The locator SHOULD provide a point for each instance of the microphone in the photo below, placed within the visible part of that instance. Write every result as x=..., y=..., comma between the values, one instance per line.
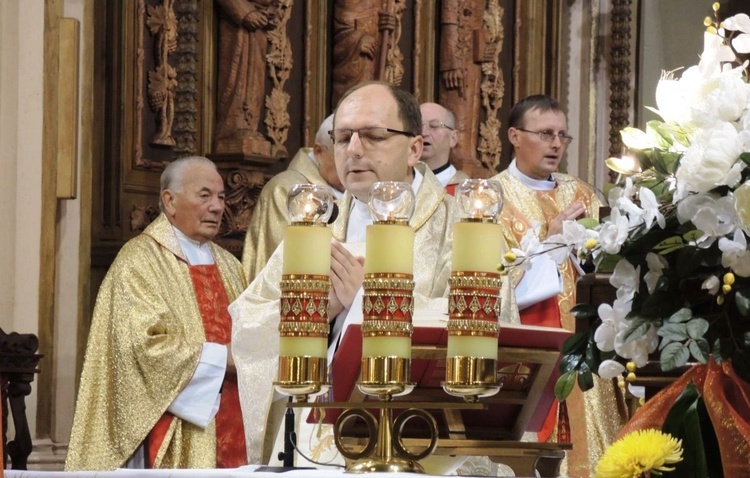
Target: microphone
x=334, y=213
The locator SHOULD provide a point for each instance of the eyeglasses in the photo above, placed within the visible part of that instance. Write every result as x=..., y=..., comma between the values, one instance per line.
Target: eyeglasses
x=369, y=136
x=548, y=135
x=433, y=125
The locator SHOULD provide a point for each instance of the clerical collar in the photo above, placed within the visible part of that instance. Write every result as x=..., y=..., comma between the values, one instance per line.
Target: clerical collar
x=360, y=218
x=197, y=254
x=445, y=173
x=536, y=184
x=442, y=168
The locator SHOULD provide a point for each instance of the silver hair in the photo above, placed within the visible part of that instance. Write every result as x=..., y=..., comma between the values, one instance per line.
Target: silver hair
x=322, y=136
x=171, y=177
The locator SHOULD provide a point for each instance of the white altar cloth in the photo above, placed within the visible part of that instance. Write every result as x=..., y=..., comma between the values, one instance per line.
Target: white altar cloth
x=243, y=472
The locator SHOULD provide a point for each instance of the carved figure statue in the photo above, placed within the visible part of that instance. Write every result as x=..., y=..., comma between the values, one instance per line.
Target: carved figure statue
x=362, y=34
x=471, y=83
x=162, y=80
x=243, y=44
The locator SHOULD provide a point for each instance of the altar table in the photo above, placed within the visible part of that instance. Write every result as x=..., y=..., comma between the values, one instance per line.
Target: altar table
x=243, y=472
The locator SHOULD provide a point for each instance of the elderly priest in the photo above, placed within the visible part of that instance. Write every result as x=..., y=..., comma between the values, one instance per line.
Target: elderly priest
x=158, y=388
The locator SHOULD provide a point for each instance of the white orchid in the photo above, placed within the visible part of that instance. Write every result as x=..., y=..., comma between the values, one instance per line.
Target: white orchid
x=734, y=253
x=650, y=207
x=610, y=369
x=739, y=22
x=656, y=265
x=613, y=233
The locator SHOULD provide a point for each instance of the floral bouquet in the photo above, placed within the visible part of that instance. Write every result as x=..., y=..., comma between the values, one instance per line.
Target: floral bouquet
x=676, y=240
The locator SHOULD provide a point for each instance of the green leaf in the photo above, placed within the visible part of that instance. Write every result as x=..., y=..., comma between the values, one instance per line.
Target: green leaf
x=637, y=329
x=673, y=332
x=742, y=299
x=692, y=236
x=682, y=421
x=745, y=157
x=682, y=315
x=699, y=349
x=564, y=385
x=575, y=343
x=588, y=222
x=697, y=328
x=674, y=355
x=669, y=243
x=586, y=381
x=585, y=311
x=571, y=362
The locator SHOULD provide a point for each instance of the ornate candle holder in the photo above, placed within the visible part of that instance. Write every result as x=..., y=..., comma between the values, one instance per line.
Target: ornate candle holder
x=474, y=302
x=387, y=309
x=303, y=325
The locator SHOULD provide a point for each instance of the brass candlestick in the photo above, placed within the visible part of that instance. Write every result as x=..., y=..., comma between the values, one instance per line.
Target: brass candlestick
x=303, y=306
x=473, y=307
x=303, y=314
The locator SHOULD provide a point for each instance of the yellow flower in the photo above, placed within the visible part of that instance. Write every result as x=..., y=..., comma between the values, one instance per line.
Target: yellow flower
x=640, y=452
x=590, y=243
x=729, y=278
x=509, y=257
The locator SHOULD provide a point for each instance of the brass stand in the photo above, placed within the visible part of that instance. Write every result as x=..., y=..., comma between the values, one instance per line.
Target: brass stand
x=302, y=377
x=471, y=378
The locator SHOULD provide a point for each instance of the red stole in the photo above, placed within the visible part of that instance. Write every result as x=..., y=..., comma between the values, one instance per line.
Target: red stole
x=231, y=451
x=451, y=188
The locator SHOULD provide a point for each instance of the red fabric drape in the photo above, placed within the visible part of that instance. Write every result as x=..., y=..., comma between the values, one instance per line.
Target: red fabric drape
x=727, y=399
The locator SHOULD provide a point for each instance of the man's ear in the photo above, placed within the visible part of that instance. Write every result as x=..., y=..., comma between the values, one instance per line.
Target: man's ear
x=454, y=138
x=415, y=150
x=167, y=200
x=513, y=137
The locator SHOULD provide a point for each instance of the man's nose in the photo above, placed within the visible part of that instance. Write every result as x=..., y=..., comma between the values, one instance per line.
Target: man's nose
x=355, y=146
x=216, y=205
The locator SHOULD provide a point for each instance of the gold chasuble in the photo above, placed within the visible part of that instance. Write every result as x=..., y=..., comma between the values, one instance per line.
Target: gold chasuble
x=270, y=215
x=603, y=407
x=145, y=341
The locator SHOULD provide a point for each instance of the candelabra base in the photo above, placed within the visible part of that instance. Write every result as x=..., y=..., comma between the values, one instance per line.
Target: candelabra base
x=470, y=377
x=390, y=465
x=302, y=377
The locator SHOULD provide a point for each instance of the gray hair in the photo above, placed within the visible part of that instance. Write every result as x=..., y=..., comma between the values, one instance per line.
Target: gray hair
x=323, y=135
x=171, y=177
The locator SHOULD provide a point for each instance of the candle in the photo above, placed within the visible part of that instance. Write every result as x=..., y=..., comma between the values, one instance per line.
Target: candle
x=307, y=250
x=475, y=284
x=389, y=248
x=477, y=246
x=389, y=263
x=305, y=269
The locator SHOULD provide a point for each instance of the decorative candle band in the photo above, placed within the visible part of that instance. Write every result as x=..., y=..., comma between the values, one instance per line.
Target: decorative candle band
x=387, y=305
x=303, y=306
x=474, y=304
x=398, y=222
x=473, y=327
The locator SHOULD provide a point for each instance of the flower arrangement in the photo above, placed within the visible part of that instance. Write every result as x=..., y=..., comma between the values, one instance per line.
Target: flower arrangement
x=676, y=244
x=638, y=453
x=676, y=240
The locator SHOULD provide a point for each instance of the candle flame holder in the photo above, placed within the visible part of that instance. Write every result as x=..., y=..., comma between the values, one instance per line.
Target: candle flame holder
x=473, y=308
x=303, y=313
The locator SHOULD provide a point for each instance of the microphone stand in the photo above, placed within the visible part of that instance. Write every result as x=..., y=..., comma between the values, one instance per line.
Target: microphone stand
x=287, y=456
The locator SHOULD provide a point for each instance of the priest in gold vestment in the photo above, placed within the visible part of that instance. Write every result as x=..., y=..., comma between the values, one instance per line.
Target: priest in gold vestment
x=309, y=166
x=370, y=154
x=158, y=388
x=537, y=196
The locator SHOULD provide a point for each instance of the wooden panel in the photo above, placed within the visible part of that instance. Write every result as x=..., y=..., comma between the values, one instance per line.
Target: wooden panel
x=67, y=109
